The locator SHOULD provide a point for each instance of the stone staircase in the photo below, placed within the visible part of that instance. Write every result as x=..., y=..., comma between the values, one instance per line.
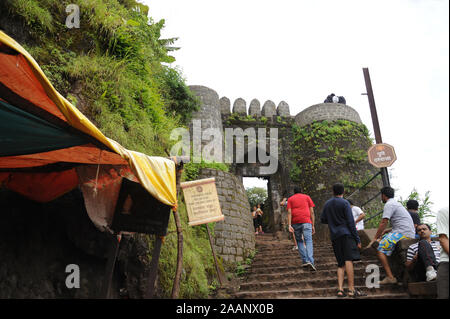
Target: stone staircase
x=276, y=273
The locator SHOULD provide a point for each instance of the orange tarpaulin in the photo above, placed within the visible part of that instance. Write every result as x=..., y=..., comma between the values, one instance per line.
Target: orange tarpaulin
x=85, y=154
x=24, y=85
x=18, y=77
x=35, y=186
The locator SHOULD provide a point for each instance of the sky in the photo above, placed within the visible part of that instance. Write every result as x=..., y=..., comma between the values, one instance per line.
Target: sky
x=301, y=51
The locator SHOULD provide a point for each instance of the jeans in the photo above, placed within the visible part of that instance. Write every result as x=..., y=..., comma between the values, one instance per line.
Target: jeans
x=306, y=254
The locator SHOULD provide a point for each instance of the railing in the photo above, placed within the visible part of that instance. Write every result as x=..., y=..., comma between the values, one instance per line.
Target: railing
x=371, y=199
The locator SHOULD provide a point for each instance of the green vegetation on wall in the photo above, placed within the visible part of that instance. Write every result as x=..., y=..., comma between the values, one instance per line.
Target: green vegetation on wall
x=329, y=149
x=192, y=170
x=116, y=70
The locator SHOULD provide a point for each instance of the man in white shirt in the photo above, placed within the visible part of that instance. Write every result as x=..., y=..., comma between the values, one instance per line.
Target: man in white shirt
x=442, y=275
x=358, y=215
x=402, y=228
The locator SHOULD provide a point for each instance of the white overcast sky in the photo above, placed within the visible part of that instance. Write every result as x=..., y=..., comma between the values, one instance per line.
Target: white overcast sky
x=301, y=51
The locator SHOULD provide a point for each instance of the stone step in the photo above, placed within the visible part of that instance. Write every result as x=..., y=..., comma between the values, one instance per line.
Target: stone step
x=290, y=252
x=282, y=275
x=376, y=296
x=276, y=272
x=298, y=263
x=358, y=266
x=273, y=246
x=300, y=283
x=296, y=293
x=318, y=259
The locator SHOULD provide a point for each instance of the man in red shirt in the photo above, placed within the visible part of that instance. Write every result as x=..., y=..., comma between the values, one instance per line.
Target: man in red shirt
x=301, y=223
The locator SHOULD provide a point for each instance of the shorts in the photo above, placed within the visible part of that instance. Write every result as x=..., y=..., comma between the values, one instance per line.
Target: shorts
x=345, y=249
x=388, y=242
x=259, y=220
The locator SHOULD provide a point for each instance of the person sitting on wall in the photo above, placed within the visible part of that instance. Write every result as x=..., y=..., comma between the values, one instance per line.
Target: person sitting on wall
x=423, y=257
x=442, y=274
x=332, y=98
x=413, y=208
x=386, y=239
x=329, y=98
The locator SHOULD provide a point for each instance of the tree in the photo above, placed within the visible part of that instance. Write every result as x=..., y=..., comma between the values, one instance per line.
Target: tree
x=256, y=195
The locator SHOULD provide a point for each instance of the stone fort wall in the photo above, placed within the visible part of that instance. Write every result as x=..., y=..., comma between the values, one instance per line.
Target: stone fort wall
x=234, y=237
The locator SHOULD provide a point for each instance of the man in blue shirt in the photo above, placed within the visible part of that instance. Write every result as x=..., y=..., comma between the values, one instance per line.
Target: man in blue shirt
x=337, y=213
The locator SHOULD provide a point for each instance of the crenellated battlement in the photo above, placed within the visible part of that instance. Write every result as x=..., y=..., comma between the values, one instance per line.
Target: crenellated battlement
x=215, y=110
x=268, y=110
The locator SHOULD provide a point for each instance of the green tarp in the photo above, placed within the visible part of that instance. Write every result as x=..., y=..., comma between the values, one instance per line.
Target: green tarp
x=23, y=133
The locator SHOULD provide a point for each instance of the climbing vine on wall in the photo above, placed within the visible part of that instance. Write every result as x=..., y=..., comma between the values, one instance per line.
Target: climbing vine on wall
x=337, y=149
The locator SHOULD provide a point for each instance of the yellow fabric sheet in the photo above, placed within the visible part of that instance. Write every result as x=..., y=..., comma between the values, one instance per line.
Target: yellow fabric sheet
x=156, y=174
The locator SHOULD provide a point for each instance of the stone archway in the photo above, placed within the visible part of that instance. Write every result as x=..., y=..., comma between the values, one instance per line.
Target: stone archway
x=275, y=190
x=312, y=161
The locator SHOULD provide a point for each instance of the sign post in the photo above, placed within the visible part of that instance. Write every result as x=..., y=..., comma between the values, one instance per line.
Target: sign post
x=381, y=155
x=202, y=201
x=203, y=207
x=376, y=125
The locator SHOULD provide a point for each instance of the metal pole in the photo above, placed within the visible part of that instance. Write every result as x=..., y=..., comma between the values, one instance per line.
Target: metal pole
x=376, y=125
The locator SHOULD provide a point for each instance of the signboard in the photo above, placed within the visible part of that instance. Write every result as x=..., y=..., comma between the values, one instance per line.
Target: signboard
x=139, y=212
x=202, y=201
x=381, y=155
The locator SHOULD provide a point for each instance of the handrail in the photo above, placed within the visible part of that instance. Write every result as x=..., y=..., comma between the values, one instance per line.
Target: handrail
x=371, y=199
x=367, y=219
x=371, y=179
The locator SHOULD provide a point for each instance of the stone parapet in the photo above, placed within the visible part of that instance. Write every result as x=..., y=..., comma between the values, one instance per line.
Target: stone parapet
x=327, y=111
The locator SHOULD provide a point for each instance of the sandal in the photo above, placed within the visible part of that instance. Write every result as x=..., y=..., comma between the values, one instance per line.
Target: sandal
x=341, y=294
x=356, y=293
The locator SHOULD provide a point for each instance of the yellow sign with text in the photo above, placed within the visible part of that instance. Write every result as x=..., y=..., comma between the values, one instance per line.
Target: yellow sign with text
x=202, y=201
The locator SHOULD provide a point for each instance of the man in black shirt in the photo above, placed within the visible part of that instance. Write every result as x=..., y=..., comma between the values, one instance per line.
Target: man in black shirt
x=413, y=207
x=337, y=213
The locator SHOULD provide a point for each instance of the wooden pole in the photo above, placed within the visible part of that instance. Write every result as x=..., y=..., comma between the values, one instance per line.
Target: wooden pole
x=214, y=256
x=376, y=124
x=154, y=268
x=110, y=264
x=176, y=281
